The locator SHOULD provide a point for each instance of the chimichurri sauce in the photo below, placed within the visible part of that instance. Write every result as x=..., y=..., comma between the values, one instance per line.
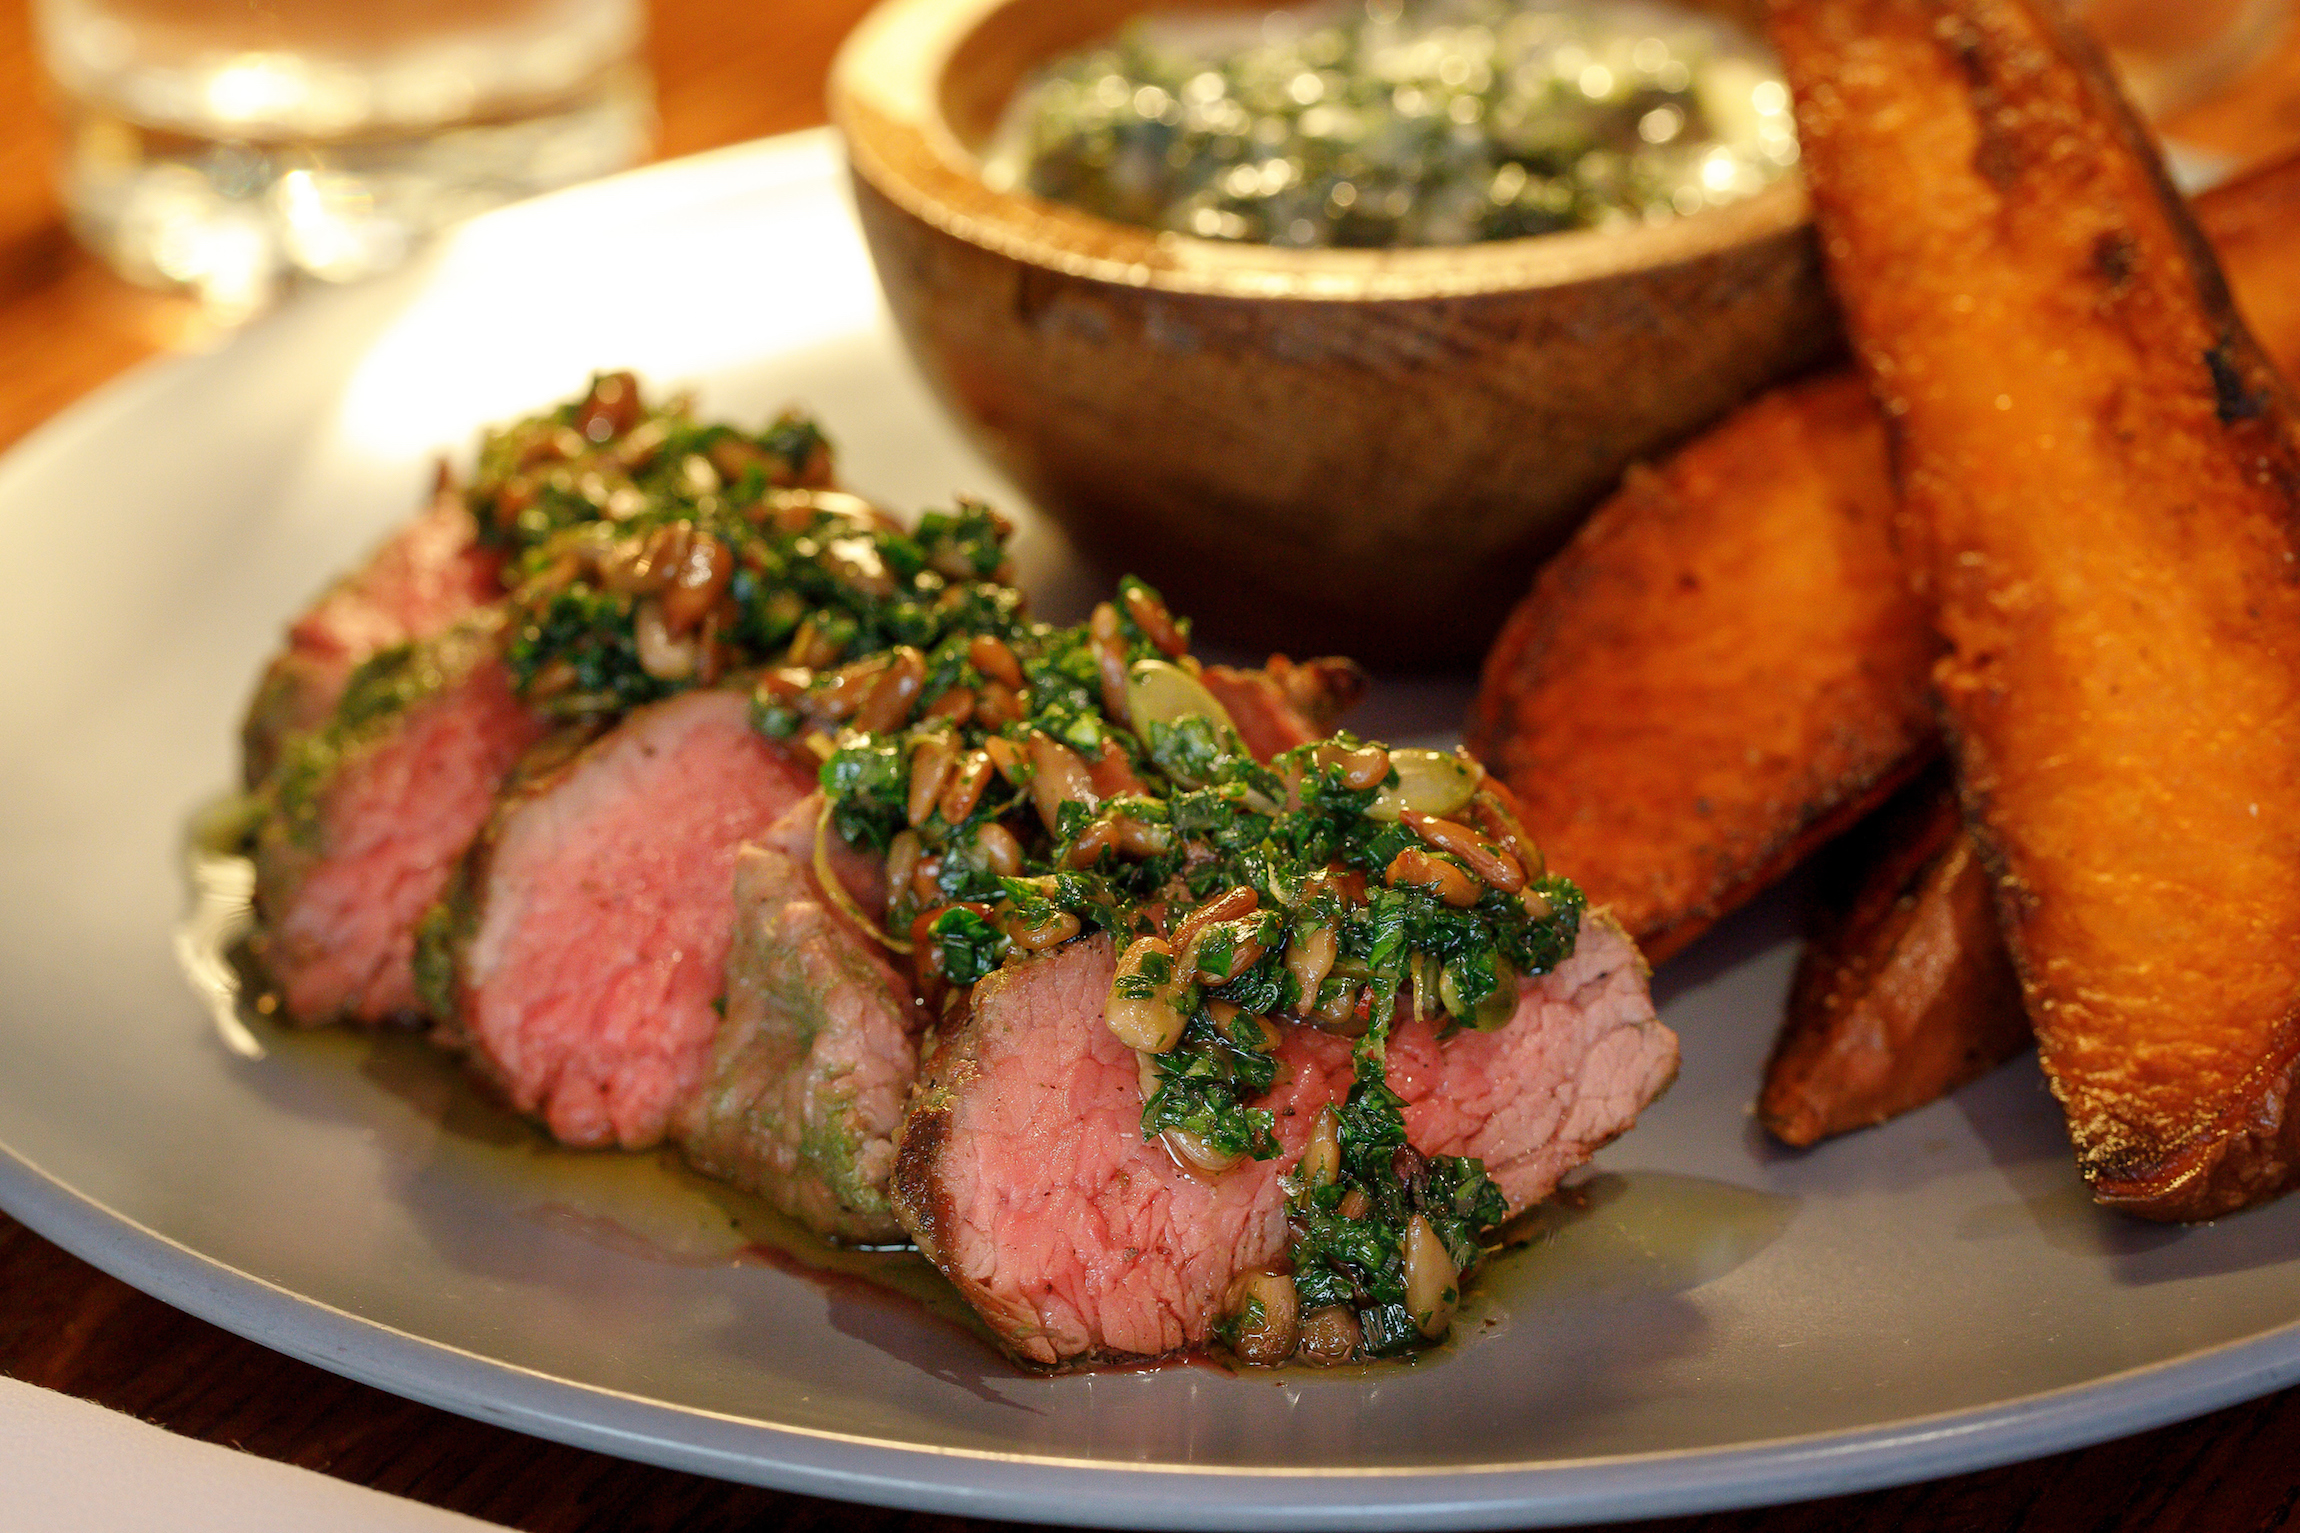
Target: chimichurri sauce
x=1031, y=785
x=1382, y=123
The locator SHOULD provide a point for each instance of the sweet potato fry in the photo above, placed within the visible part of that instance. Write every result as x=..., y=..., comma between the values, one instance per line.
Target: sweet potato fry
x=2101, y=478
x=1908, y=992
x=1724, y=667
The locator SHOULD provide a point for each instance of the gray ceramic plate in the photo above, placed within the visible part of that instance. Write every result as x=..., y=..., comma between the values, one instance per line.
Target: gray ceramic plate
x=1721, y=1325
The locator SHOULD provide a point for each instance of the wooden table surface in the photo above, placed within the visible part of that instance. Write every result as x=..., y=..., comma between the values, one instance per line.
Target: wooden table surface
x=728, y=70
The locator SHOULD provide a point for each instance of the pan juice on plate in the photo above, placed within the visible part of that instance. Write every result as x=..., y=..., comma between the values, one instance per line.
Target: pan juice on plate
x=1436, y=123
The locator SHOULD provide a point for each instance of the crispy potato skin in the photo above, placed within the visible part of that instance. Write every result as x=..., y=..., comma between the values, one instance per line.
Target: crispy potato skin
x=1721, y=671
x=2102, y=483
x=1908, y=993
x=1724, y=667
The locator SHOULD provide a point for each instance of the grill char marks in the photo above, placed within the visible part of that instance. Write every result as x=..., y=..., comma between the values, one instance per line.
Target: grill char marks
x=427, y=576
x=1022, y=1172
x=369, y=818
x=810, y=1070
x=594, y=918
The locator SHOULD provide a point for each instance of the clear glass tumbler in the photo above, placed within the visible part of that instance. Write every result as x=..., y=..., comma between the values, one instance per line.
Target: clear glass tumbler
x=223, y=145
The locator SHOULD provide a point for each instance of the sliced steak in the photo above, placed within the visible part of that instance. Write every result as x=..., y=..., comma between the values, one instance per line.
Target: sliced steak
x=810, y=1069
x=370, y=815
x=1284, y=704
x=1023, y=1174
x=590, y=931
x=427, y=576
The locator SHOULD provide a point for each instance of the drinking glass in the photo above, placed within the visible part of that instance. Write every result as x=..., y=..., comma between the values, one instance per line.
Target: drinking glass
x=222, y=146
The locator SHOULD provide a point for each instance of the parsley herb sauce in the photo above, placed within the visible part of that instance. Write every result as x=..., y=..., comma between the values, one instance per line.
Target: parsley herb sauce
x=1429, y=122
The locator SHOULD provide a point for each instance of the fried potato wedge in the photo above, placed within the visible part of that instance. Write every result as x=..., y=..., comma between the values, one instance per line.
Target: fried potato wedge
x=1910, y=993
x=2101, y=478
x=1722, y=670
x=1907, y=992
x=1724, y=667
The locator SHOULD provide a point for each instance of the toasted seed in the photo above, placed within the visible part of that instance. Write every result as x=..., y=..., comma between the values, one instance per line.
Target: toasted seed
x=1488, y=862
x=1226, y=906
x=895, y=693
x=661, y=654
x=1415, y=868
x=1354, y=1204
x=1141, y=838
x=1321, y=1161
x=1329, y=1336
x=1497, y=812
x=1097, y=838
x=1192, y=1153
x=1363, y=768
x=1053, y=931
x=1432, y=782
x=1432, y=1290
x=643, y=566
x=856, y=561
x=995, y=850
x=988, y=654
x=611, y=408
x=931, y=760
x=697, y=581
x=1000, y=705
x=1337, y=1008
x=926, y=881
x=1537, y=904
x=956, y=705
x=1255, y=1026
x=902, y=858
x=1109, y=659
x=1057, y=777
x=1310, y=958
x=1008, y=758
x=1245, y=951
x=848, y=688
x=1157, y=624
x=1151, y=1023
x=1269, y=1312
x=965, y=787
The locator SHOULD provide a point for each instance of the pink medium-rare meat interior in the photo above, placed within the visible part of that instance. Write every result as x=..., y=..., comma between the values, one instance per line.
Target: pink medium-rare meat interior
x=604, y=909
x=341, y=901
x=1031, y=1185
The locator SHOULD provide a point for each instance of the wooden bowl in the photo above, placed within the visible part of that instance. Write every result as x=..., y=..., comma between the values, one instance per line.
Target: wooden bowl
x=1354, y=450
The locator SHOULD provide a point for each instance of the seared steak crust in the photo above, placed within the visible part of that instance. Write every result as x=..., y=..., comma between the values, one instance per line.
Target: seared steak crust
x=812, y=1065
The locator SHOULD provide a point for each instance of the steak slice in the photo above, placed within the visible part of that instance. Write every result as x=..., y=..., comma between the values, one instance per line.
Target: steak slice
x=1022, y=1171
x=369, y=816
x=427, y=576
x=812, y=1066
x=1285, y=704
x=587, y=940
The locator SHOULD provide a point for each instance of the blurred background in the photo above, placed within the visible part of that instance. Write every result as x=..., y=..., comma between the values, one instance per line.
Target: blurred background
x=110, y=161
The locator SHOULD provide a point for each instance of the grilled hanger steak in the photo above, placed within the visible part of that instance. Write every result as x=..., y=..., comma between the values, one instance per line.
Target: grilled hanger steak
x=698, y=802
